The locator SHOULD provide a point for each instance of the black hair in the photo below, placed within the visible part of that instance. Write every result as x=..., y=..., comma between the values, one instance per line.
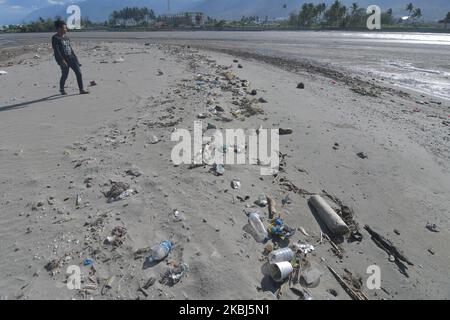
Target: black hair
x=59, y=24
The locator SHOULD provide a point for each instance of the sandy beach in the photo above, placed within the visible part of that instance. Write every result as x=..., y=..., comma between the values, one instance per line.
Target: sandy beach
x=379, y=150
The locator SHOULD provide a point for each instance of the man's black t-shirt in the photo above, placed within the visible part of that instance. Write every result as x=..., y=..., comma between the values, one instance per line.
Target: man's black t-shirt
x=63, y=49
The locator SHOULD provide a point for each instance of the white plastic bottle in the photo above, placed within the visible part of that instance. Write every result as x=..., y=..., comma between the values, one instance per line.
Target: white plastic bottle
x=280, y=255
x=258, y=228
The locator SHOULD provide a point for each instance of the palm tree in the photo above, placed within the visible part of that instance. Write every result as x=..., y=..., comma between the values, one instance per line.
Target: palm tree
x=320, y=9
x=409, y=8
x=417, y=14
x=447, y=20
x=355, y=7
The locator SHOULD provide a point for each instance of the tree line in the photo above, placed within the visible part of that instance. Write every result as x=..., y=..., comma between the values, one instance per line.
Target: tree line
x=310, y=15
x=339, y=15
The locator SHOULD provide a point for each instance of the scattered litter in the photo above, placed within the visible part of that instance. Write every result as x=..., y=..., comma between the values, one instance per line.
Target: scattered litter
x=301, y=85
x=135, y=172
x=331, y=219
x=108, y=285
x=390, y=249
x=173, y=276
x=3, y=72
x=283, y=132
x=119, y=60
x=286, y=200
x=311, y=277
x=281, y=270
x=262, y=200
x=277, y=228
x=262, y=100
x=87, y=262
x=304, y=248
x=78, y=202
x=355, y=294
x=302, y=230
x=119, y=191
x=362, y=155
x=280, y=255
x=178, y=216
x=150, y=282
x=154, y=139
x=432, y=227
x=258, y=229
x=218, y=169
x=236, y=184
x=160, y=251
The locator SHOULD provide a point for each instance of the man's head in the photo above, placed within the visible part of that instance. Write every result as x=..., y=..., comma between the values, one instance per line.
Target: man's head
x=61, y=27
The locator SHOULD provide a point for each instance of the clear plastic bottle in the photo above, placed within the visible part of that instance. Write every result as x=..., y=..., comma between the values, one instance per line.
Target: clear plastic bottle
x=160, y=251
x=280, y=255
x=258, y=228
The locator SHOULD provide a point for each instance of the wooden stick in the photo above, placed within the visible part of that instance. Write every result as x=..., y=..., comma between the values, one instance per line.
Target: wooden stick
x=272, y=210
x=352, y=293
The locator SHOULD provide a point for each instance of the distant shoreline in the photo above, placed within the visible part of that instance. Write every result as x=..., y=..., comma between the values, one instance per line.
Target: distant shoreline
x=258, y=29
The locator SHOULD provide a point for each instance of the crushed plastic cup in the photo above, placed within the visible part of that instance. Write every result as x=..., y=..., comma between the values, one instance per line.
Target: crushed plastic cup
x=281, y=270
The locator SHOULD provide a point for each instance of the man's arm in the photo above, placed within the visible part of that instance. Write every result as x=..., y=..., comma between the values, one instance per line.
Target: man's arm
x=75, y=56
x=57, y=50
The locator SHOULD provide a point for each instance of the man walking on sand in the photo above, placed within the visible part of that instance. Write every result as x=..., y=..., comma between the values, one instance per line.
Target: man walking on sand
x=65, y=57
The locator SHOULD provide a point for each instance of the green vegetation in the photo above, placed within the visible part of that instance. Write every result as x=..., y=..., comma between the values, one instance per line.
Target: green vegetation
x=133, y=16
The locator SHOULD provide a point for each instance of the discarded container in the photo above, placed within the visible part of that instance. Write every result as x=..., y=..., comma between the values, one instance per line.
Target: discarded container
x=262, y=200
x=219, y=169
x=277, y=228
x=304, y=248
x=280, y=255
x=87, y=262
x=311, y=277
x=160, y=251
x=235, y=184
x=176, y=274
x=259, y=231
x=119, y=60
x=281, y=270
x=154, y=139
x=331, y=219
x=125, y=194
x=178, y=216
x=78, y=201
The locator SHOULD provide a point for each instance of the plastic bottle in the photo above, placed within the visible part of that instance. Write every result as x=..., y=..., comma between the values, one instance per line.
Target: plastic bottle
x=160, y=251
x=280, y=255
x=258, y=228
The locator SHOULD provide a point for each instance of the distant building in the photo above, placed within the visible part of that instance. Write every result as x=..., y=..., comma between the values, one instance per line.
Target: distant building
x=183, y=19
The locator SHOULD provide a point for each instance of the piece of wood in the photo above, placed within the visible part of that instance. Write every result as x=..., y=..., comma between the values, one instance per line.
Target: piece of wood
x=271, y=205
x=331, y=219
x=352, y=293
x=387, y=245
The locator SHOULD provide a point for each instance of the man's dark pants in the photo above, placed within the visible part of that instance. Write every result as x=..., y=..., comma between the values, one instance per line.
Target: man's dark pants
x=65, y=72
